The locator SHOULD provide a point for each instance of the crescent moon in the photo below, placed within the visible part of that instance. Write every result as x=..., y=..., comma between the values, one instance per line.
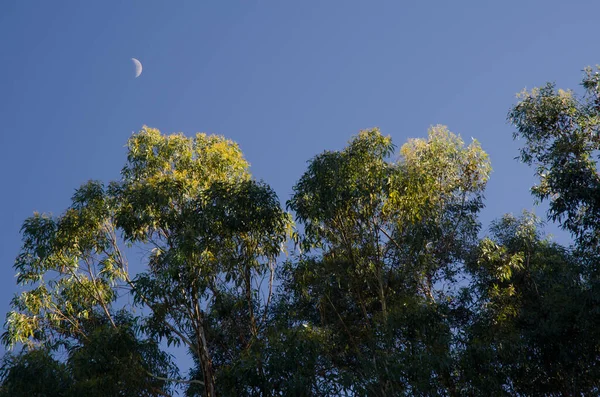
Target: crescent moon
x=138, y=67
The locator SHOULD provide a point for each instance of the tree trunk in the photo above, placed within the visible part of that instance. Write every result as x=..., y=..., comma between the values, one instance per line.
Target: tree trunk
x=206, y=364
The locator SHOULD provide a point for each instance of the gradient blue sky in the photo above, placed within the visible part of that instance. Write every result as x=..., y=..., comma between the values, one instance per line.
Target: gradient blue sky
x=285, y=79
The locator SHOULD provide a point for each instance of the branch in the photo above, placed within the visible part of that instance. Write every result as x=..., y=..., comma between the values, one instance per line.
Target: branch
x=191, y=381
x=271, y=276
x=382, y=230
x=168, y=324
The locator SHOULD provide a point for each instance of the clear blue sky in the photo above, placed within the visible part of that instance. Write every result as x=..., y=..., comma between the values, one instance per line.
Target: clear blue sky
x=285, y=79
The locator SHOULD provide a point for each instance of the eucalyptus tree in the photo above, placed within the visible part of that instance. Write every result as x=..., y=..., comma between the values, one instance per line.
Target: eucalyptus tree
x=533, y=330
x=210, y=233
x=109, y=361
x=372, y=303
x=214, y=235
x=34, y=373
x=73, y=268
x=378, y=237
x=560, y=130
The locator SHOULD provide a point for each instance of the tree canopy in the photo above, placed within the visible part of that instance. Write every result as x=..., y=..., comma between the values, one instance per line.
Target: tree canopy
x=375, y=278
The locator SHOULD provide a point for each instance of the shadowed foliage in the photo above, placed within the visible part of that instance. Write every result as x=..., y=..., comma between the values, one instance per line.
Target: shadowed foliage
x=387, y=286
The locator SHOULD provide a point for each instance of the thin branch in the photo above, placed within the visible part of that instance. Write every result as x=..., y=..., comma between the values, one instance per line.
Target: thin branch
x=191, y=381
x=94, y=291
x=389, y=237
x=271, y=277
x=168, y=324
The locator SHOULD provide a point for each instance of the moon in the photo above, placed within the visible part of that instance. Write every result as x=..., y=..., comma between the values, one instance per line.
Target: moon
x=138, y=67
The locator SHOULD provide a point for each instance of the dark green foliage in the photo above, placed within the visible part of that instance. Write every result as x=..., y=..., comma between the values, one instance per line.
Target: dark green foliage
x=532, y=332
x=108, y=362
x=383, y=235
x=390, y=290
x=34, y=373
x=114, y=361
x=553, y=312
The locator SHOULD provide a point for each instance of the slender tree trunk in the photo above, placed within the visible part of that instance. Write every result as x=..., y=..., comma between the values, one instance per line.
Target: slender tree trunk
x=248, y=281
x=254, y=328
x=381, y=292
x=203, y=353
x=206, y=363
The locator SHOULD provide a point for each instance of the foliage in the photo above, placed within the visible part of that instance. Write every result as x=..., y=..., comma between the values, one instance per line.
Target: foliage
x=34, y=373
x=383, y=234
x=531, y=333
x=560, y=130
x=390, y=290
x=214, y=234
x=109, y=362
x=560, y=133
x=72, y=265
x=115, y=361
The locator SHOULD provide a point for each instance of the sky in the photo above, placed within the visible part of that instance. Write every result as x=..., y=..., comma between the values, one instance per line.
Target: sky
x=285, y=79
